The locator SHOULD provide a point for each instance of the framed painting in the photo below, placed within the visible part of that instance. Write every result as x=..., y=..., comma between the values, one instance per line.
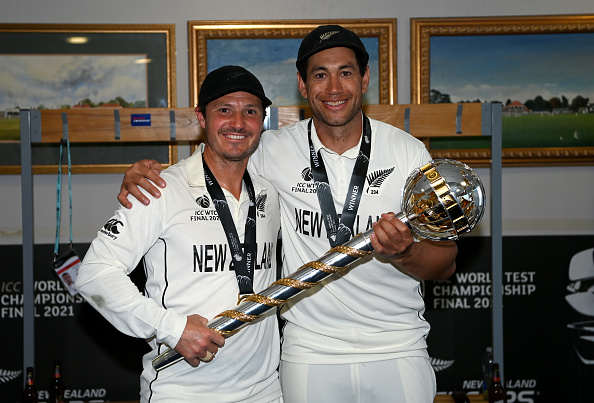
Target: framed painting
x=56, y=66
x=537, y=67
x=269, y=50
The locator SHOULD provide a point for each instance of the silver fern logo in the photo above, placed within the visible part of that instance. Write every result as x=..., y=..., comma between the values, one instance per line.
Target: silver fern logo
x=8, y=375
x=261, y=205
x=439, y=364
x=261, y=202
x=376, y=179
x=327, y=35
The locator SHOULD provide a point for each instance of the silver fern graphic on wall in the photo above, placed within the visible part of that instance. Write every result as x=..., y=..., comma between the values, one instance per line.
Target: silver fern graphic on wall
x=439, y=364
x=7, y=375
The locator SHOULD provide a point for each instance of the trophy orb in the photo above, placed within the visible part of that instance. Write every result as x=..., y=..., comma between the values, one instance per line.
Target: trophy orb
x=442, y=200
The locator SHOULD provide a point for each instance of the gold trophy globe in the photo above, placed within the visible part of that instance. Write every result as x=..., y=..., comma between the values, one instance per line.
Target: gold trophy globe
x=442, y=200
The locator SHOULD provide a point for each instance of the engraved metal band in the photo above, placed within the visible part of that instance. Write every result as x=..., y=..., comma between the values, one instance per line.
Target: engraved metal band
x=450, y=204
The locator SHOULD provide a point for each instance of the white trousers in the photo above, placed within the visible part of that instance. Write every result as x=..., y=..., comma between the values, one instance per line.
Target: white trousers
x=401, y=380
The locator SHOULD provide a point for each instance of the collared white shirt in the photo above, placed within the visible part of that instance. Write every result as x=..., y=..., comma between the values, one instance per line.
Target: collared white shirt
x=372, y=311
x=187, y=261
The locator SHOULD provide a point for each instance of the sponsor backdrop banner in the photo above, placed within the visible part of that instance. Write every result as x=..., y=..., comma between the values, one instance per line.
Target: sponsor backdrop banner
x=548, y=324
x=98, y=362
x=548, y=351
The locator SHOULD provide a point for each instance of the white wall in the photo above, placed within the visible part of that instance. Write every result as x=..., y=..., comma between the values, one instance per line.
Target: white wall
x=537, y=201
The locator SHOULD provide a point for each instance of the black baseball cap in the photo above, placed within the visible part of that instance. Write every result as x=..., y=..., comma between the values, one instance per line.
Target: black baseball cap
x=330, y=36
x=228, y=79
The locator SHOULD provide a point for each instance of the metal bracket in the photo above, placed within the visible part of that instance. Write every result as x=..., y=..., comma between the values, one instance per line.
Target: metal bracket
x=64, y=127
x=459, y=119
x=116, y=117
x=172, y=125
x=407, y=120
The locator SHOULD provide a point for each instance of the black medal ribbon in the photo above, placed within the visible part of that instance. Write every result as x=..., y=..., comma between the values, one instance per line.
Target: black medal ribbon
x=340, y=231
x=243, y=260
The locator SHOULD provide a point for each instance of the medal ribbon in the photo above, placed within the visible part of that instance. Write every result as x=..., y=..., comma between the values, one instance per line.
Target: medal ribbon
x=340, y=231
x=243, y=260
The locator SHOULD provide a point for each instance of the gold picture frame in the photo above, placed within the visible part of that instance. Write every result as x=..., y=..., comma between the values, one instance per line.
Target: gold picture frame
x=153, y=44
x=424, y=31
x=203, y=35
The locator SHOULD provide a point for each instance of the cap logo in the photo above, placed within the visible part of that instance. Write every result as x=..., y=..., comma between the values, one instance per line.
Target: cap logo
x=327, y=35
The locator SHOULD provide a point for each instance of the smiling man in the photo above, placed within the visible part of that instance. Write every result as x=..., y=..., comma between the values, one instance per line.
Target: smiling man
x=190, y=241
x=362, y=336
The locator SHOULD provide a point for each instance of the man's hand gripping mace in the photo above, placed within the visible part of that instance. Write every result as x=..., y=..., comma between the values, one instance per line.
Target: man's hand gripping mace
x=252, y=307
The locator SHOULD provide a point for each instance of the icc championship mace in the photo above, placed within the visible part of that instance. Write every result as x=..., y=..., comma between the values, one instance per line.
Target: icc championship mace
x=441, y=200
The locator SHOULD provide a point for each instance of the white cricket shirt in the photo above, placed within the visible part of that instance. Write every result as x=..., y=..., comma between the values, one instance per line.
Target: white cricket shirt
x=187, y=262
x=372, y=311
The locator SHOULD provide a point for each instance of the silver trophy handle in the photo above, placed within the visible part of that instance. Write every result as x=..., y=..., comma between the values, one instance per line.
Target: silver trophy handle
x=166, y=359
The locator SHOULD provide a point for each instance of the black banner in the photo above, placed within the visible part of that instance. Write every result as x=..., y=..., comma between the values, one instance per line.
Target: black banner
x=544, y=336
x=98, y=362
x=548, y=325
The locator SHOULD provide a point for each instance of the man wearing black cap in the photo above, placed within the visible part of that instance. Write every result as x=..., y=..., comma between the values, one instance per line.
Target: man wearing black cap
x=361, y=337
x=190, y=241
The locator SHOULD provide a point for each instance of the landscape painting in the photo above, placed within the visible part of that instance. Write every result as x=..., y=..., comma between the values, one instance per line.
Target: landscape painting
x=538, y=67
x=68, y=81
x=74, y=66
x=269, y=50
x=273, y=62
x=544, y=82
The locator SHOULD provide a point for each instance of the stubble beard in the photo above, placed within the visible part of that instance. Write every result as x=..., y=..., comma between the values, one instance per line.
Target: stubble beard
x=328, y=118
x=232, y=157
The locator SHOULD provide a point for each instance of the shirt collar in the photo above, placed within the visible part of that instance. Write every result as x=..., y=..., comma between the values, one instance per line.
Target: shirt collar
x=318, y=145
x=195, y=172
x=194, y=168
